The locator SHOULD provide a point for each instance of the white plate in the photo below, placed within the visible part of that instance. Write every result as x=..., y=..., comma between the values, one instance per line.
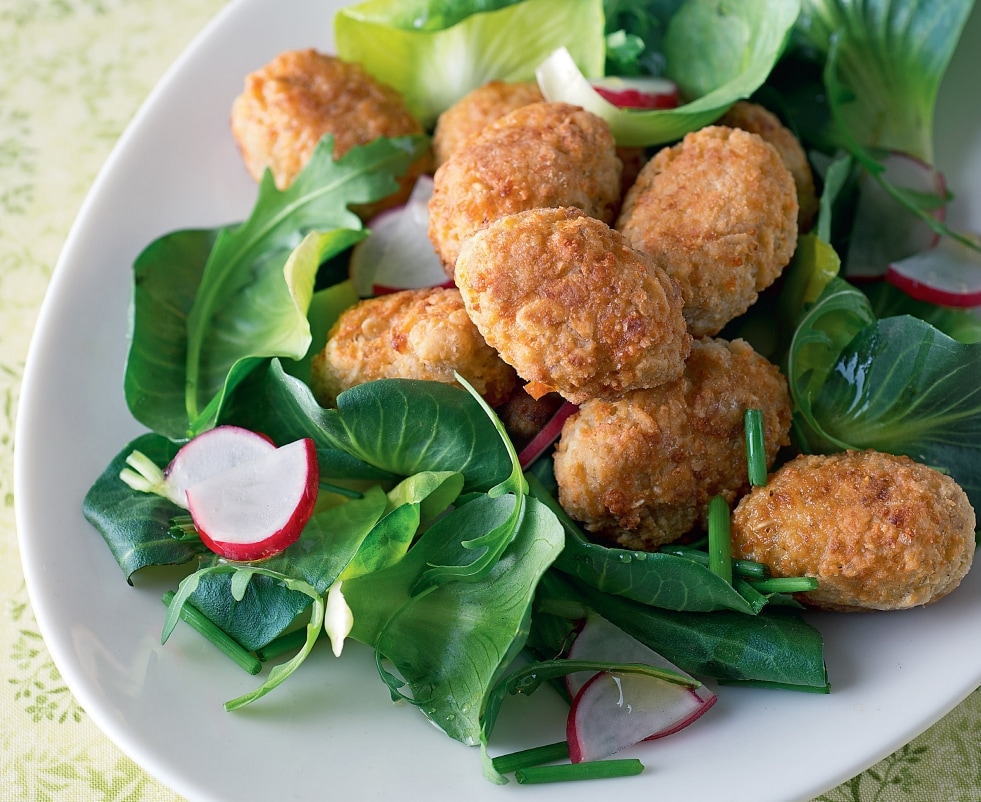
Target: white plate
x=331, y=731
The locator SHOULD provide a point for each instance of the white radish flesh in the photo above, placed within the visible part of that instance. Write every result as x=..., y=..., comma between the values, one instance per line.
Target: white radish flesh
x=257, y=508
x=948, y=274
x=398, y=255
x=212, y=452
x=884, y=231
x=614, y=711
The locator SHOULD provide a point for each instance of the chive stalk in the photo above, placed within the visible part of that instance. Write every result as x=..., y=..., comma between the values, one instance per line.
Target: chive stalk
x=785, y=584
x=755, y=449
x=526, y=758
x=198, y=621
x=340, y=490
x=744, y=568
x=719, y=546
x=591, y=770
x=182, y=528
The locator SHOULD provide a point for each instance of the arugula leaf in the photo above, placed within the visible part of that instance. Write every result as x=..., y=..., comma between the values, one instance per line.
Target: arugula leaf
x=892, y=58
x=210, y=305
x=898, y=385
x=434, y=54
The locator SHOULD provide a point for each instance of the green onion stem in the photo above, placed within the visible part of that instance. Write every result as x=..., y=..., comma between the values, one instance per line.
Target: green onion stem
x=785, y=584
x=719, y=547
x=755, y=448
x=181, y=527
x=288, y=642
x=744, y=568
x=591, y=770
x=198, y=621
x=340, y=490
x=527, y=758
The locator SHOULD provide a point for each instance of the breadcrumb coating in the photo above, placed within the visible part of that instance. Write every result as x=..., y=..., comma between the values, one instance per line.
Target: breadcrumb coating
x=760, y=120
x=412, y=334
x=476, y=110
x=718, y=212
x=291, y=102
x=878, y=531
x=542, y=155
x=640, y=471
x=565, y=300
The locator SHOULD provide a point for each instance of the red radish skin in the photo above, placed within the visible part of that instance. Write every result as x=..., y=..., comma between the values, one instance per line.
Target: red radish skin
x=638, y=93
x=948, y=274
x=257, y=508
x=614, y=711
x=549, y=433
x=212, y=452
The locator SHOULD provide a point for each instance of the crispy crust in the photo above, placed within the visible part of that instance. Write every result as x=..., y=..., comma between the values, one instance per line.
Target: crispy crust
x=291, y=102
x=566, y=301
x=539, y=156
x=412, y=334
x=718, y=212
x=640, y=471
x=880, y=532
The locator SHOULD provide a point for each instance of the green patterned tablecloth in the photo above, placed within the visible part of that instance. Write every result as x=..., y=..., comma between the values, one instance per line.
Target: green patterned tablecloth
x=72, y=73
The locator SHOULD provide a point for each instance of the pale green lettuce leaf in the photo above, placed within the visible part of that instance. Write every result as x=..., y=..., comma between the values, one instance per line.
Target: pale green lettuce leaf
x=433, y=67
x=892, y=56
x=717, y=53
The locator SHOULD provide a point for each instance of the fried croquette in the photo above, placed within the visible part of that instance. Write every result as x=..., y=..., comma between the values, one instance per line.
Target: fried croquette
x=541, y=155
x=476, y=110
x=571, y=306
x=412, y=334
x=719, y=213
x=879, y=532
x=291, y=102
x=759, y=120
x=639, y=472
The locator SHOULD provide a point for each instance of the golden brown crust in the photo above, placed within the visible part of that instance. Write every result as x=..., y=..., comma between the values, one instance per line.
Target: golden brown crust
x=641, y=471
x=412, y=334
x=719, y=213
x=759, y=120
x=476, y=110
x=880, y=532
x=291, y=102
x=539, y=156
x=566, y=301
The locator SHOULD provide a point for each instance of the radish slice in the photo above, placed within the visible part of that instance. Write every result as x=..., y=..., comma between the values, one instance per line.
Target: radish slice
x=948, y=274
x=211, y=452
x=259, y=507
x=614, y=711
x=638, y=93
x=548, y=434
x=601, y=640
x=399, y=254
x=884, y=231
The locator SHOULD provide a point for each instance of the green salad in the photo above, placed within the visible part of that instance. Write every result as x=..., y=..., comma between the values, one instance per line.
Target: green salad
x=429, y=541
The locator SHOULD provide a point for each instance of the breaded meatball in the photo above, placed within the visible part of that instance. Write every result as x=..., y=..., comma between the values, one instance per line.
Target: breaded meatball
x=539, y=156
x=719, y=213
x=879, y=532
x=640, y=472
x=565, y=300
x=476, y=110
x=299, y=96
x=759, y=120
x=412, y=334
x=523, y=416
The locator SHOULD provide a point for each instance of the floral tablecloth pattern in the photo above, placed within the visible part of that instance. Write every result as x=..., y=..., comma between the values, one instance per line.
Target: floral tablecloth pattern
x=72, y=74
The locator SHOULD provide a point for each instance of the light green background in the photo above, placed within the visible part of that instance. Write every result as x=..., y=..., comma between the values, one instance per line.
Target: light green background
x=72, y=73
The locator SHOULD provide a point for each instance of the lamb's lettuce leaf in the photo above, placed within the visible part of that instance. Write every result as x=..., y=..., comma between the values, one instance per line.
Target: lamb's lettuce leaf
x=436, y=52
x=717, y=53
x=892, y=57
x=898, y=385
